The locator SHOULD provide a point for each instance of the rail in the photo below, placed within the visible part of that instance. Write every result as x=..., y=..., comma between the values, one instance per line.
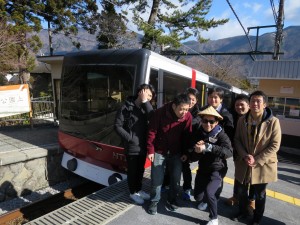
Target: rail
x=47, y=205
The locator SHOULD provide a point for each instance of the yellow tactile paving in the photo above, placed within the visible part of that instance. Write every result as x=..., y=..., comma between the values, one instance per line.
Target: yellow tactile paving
x=228, y=180
x=284, y=197
x=297, y=201
x=270, y=193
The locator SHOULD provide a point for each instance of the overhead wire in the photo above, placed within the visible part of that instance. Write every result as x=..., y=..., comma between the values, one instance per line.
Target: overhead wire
x=185, y=46
x=128, y=29
x=246, y=33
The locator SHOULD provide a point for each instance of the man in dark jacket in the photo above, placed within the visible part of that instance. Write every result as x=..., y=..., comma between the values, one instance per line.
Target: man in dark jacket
x=186, y=170
x=210, y=146
x=131, y=124
x=169, y=129
x=240, y=108
x=215, y=98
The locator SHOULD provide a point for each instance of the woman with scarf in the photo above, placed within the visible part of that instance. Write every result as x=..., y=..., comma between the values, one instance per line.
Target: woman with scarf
x=210, y=146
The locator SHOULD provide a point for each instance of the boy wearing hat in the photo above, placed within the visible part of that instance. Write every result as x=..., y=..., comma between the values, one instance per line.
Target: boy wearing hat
x=210, y=146
x=215, y=96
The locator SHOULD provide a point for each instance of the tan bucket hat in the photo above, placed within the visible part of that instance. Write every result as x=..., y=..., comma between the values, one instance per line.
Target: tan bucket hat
x=211, y=112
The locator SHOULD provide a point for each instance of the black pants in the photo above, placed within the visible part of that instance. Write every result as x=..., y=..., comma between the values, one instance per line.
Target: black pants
x=186, y=175
x=251, y=195
x=135, y=173
x=206, y=186
x=260, y=199
x=223, y=173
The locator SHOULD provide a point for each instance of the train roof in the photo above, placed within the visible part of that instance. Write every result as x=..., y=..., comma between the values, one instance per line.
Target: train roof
x=106, y=56
x=131, y=55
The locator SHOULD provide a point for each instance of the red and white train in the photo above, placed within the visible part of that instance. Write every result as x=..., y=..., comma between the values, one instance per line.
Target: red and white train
x=95, y=84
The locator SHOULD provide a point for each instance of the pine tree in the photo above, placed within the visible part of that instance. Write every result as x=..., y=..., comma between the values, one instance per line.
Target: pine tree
x=169, y=23
x=61, y=16
x=8, y=42
x=112, y=27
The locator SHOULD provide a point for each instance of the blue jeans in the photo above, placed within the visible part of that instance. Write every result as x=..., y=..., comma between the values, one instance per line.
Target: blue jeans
x=158, y=169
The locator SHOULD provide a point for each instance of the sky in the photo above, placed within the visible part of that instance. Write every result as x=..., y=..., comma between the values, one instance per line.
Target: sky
x=251, y=13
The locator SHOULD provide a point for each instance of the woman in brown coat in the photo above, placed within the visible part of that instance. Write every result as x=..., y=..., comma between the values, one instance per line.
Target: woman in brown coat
x=257, y=142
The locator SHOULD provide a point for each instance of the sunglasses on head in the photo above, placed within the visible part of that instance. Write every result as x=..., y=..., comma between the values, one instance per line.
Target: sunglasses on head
x=208, y=121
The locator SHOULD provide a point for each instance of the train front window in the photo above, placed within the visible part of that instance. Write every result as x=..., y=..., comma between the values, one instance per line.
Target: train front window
x=95, y=90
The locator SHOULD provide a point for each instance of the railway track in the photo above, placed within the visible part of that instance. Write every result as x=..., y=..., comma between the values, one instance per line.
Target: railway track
x=37, y=209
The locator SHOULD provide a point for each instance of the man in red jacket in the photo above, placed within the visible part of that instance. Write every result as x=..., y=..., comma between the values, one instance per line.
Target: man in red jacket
x=169, y=129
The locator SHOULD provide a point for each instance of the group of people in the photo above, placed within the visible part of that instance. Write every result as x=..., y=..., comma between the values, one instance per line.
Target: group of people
x=180, y=132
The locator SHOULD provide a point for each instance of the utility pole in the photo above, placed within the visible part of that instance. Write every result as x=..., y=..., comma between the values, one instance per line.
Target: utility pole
x=279, y=31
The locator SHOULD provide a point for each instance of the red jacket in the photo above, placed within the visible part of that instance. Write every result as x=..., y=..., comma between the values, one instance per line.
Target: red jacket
x=167, y=133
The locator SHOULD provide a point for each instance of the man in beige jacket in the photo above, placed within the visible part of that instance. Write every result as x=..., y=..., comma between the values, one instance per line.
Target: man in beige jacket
x=257, y=142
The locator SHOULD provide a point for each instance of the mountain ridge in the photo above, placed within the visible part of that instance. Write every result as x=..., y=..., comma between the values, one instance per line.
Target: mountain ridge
x=290, y=44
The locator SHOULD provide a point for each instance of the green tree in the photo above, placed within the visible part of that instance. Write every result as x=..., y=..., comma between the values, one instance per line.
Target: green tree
x=170, y=23
x=112, y=27
x=8, y=42
x=67, y=17
x=61, y=16
x=26, y=18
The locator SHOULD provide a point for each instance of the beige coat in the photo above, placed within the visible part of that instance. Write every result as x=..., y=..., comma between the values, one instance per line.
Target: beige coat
x=265, y=151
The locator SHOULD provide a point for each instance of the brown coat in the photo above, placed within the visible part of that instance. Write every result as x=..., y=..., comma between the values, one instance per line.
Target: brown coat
x=265, y=151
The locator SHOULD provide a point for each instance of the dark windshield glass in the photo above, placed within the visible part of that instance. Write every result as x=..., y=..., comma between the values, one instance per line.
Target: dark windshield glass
x=91, y=94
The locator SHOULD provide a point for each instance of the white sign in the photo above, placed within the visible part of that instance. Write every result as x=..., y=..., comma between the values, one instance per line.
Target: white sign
x=14, y=99
x=286, y=90
x=294, y=112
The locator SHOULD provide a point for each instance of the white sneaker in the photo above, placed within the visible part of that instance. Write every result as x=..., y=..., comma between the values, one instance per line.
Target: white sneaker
x=202, y=206
x=137, y=198
x=144, y=195
x=213, y=222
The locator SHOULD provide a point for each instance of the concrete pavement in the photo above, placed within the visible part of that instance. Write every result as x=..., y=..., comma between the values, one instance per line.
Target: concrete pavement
x=283, y=206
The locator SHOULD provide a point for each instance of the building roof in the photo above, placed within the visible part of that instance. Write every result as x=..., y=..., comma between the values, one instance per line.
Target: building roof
x=276, y=69
x=51, y=59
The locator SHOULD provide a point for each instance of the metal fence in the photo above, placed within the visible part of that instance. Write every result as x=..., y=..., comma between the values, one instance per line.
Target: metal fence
x=42, y=113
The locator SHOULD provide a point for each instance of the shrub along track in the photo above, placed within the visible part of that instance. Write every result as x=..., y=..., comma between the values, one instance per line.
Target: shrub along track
x=37, y=209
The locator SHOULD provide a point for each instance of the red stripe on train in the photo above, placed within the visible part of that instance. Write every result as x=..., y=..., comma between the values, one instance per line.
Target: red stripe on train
x=102, y=155
x=193, y=84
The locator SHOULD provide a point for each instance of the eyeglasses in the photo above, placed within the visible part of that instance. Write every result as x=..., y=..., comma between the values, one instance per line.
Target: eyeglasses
x=208, y=121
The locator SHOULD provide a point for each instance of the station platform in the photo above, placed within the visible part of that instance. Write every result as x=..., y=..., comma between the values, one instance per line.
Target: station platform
x=20, y=143
x=112, y=205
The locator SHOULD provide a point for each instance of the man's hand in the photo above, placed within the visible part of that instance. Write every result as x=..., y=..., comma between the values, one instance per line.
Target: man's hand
x=143, y=95
x=151, y=157
x=199, y=146
x=249, y=160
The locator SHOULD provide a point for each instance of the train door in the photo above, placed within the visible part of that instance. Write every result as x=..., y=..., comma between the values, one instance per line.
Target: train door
x=153, y=80
x=167, y=85
x=170, y=85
